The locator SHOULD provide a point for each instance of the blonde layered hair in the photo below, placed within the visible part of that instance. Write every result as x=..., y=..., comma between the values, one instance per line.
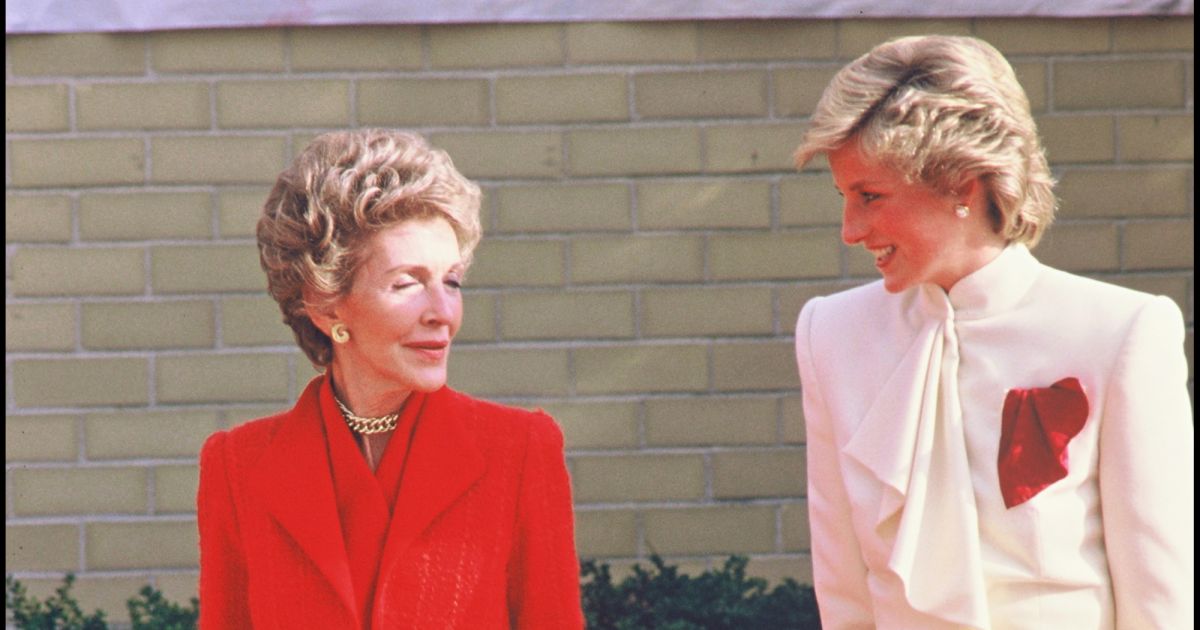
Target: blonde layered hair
x=941, y=110
x=340, y=191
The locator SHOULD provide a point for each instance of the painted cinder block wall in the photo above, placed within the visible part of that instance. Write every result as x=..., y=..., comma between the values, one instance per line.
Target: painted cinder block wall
x=648, y=246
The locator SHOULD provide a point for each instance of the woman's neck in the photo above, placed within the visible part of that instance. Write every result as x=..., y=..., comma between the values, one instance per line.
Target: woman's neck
x=363, y=398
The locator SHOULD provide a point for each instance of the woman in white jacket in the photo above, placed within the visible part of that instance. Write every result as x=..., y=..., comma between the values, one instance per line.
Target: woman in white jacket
x=992, y=443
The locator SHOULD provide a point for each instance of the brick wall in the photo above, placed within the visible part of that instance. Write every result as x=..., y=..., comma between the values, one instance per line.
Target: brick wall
x=647, y=249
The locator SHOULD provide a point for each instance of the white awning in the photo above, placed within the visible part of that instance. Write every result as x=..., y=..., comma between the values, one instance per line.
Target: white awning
x=64, y=16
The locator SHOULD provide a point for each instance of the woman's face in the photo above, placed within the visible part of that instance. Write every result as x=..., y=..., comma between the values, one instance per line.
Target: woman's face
x=403, y=309
x=910, y=228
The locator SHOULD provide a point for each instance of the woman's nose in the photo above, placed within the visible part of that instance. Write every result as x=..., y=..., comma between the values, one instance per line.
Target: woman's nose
x=440, y=308
x=854, y=228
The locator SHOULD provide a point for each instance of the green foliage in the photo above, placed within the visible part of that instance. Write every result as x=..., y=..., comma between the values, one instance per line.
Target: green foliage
x=659, y=598
x=155, y=612
x=724, y=599
x=60, y=611
x=147, y=611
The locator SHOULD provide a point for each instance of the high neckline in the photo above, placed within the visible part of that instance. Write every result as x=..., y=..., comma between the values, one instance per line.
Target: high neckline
x=994, y=288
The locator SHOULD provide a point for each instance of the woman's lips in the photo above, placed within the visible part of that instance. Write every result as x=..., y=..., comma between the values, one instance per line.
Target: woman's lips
x=883, y=255
x=432, y=351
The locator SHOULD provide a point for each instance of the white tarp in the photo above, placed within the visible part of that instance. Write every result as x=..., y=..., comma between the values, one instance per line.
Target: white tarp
x=62, y=16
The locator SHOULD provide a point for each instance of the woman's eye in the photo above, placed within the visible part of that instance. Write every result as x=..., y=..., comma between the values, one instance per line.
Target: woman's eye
x=399, y=286
x=869, y=197
x=454, y=284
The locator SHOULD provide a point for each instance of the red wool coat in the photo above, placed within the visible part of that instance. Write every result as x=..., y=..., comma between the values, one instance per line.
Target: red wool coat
x=482, y=534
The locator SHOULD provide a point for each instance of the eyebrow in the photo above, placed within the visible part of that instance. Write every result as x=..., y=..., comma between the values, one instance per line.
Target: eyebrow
x=859, y=185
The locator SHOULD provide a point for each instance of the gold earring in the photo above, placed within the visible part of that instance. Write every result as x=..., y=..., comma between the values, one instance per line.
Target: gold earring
x=962, y=211
x=339, y=333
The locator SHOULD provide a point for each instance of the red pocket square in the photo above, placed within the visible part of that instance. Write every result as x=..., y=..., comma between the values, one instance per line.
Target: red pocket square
x=1037, y=425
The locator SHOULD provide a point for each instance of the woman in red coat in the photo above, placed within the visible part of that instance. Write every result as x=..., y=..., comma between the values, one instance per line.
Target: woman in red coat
x=383, y=499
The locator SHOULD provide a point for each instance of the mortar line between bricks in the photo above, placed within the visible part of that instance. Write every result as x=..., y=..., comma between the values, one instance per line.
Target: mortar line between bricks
x=638, y=313
x=77, y=328
x=644, y=124
x=777, y=323
x=152, y=134
x=171, y=407
x=572, y=377
x=89, y=519
x=702, y=556
x=637, y=397
x=287, y=51
x=779, y=546
x=681, y=505
x=769, y=79
x=9, y=508
x=709, y=475
x=150, y=74
x=530, y=400
x=100, y=574
x=639, y=526
x=519, y=290
x=426, y=50
x=100, y=464
x=352, y=102
x=1048, y=83
x=151, y=188
x=631, y=95
x=72, y=105
x=686, y=450
x=640, y=414
x=144, y=245
x=74, y=205
x=142, y=353
x=148, y=161
x=218, y=322
x=493, y=117
x=568, y=263
x=151, y=491
x=123, y=299
x=80, y=439
x=1102, y=57
x=213, y=120
x=10, y=399
x=81, y=532
x=617, y=343
x=1122, y=226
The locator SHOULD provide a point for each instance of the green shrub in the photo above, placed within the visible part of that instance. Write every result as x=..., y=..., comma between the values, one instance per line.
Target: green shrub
x=155, y=612
x=663, y=599
x=147, y=611
x=660, y=598
x=60, y=611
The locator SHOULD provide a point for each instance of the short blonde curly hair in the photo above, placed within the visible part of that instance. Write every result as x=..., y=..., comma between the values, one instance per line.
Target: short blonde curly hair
x=941, y=110
x=342, y=189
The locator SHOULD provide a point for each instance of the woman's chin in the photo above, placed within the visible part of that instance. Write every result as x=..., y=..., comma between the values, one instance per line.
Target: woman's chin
x=894, y=285
x=429, y=382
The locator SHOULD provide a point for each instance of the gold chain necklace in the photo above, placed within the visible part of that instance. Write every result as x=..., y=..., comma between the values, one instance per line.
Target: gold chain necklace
x=367, y=426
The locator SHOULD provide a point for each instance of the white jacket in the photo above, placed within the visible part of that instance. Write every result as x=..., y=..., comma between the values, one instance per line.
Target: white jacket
x=902, y=399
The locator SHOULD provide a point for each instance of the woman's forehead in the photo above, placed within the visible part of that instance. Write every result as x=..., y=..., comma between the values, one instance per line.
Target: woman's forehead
x=428, y=242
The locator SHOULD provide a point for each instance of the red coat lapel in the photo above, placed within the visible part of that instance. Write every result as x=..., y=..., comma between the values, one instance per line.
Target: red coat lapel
x=444, y=462
x=293, y=480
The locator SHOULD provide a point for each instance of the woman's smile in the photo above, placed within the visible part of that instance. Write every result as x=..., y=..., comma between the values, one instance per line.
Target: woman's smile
x=432, y=351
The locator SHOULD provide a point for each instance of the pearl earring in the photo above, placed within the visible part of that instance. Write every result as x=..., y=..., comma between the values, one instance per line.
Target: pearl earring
x=962, y=211
x=339, y=333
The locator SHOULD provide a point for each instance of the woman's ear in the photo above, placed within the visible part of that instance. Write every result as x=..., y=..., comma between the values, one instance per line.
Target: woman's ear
x=972, y=193
x=322, y=316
